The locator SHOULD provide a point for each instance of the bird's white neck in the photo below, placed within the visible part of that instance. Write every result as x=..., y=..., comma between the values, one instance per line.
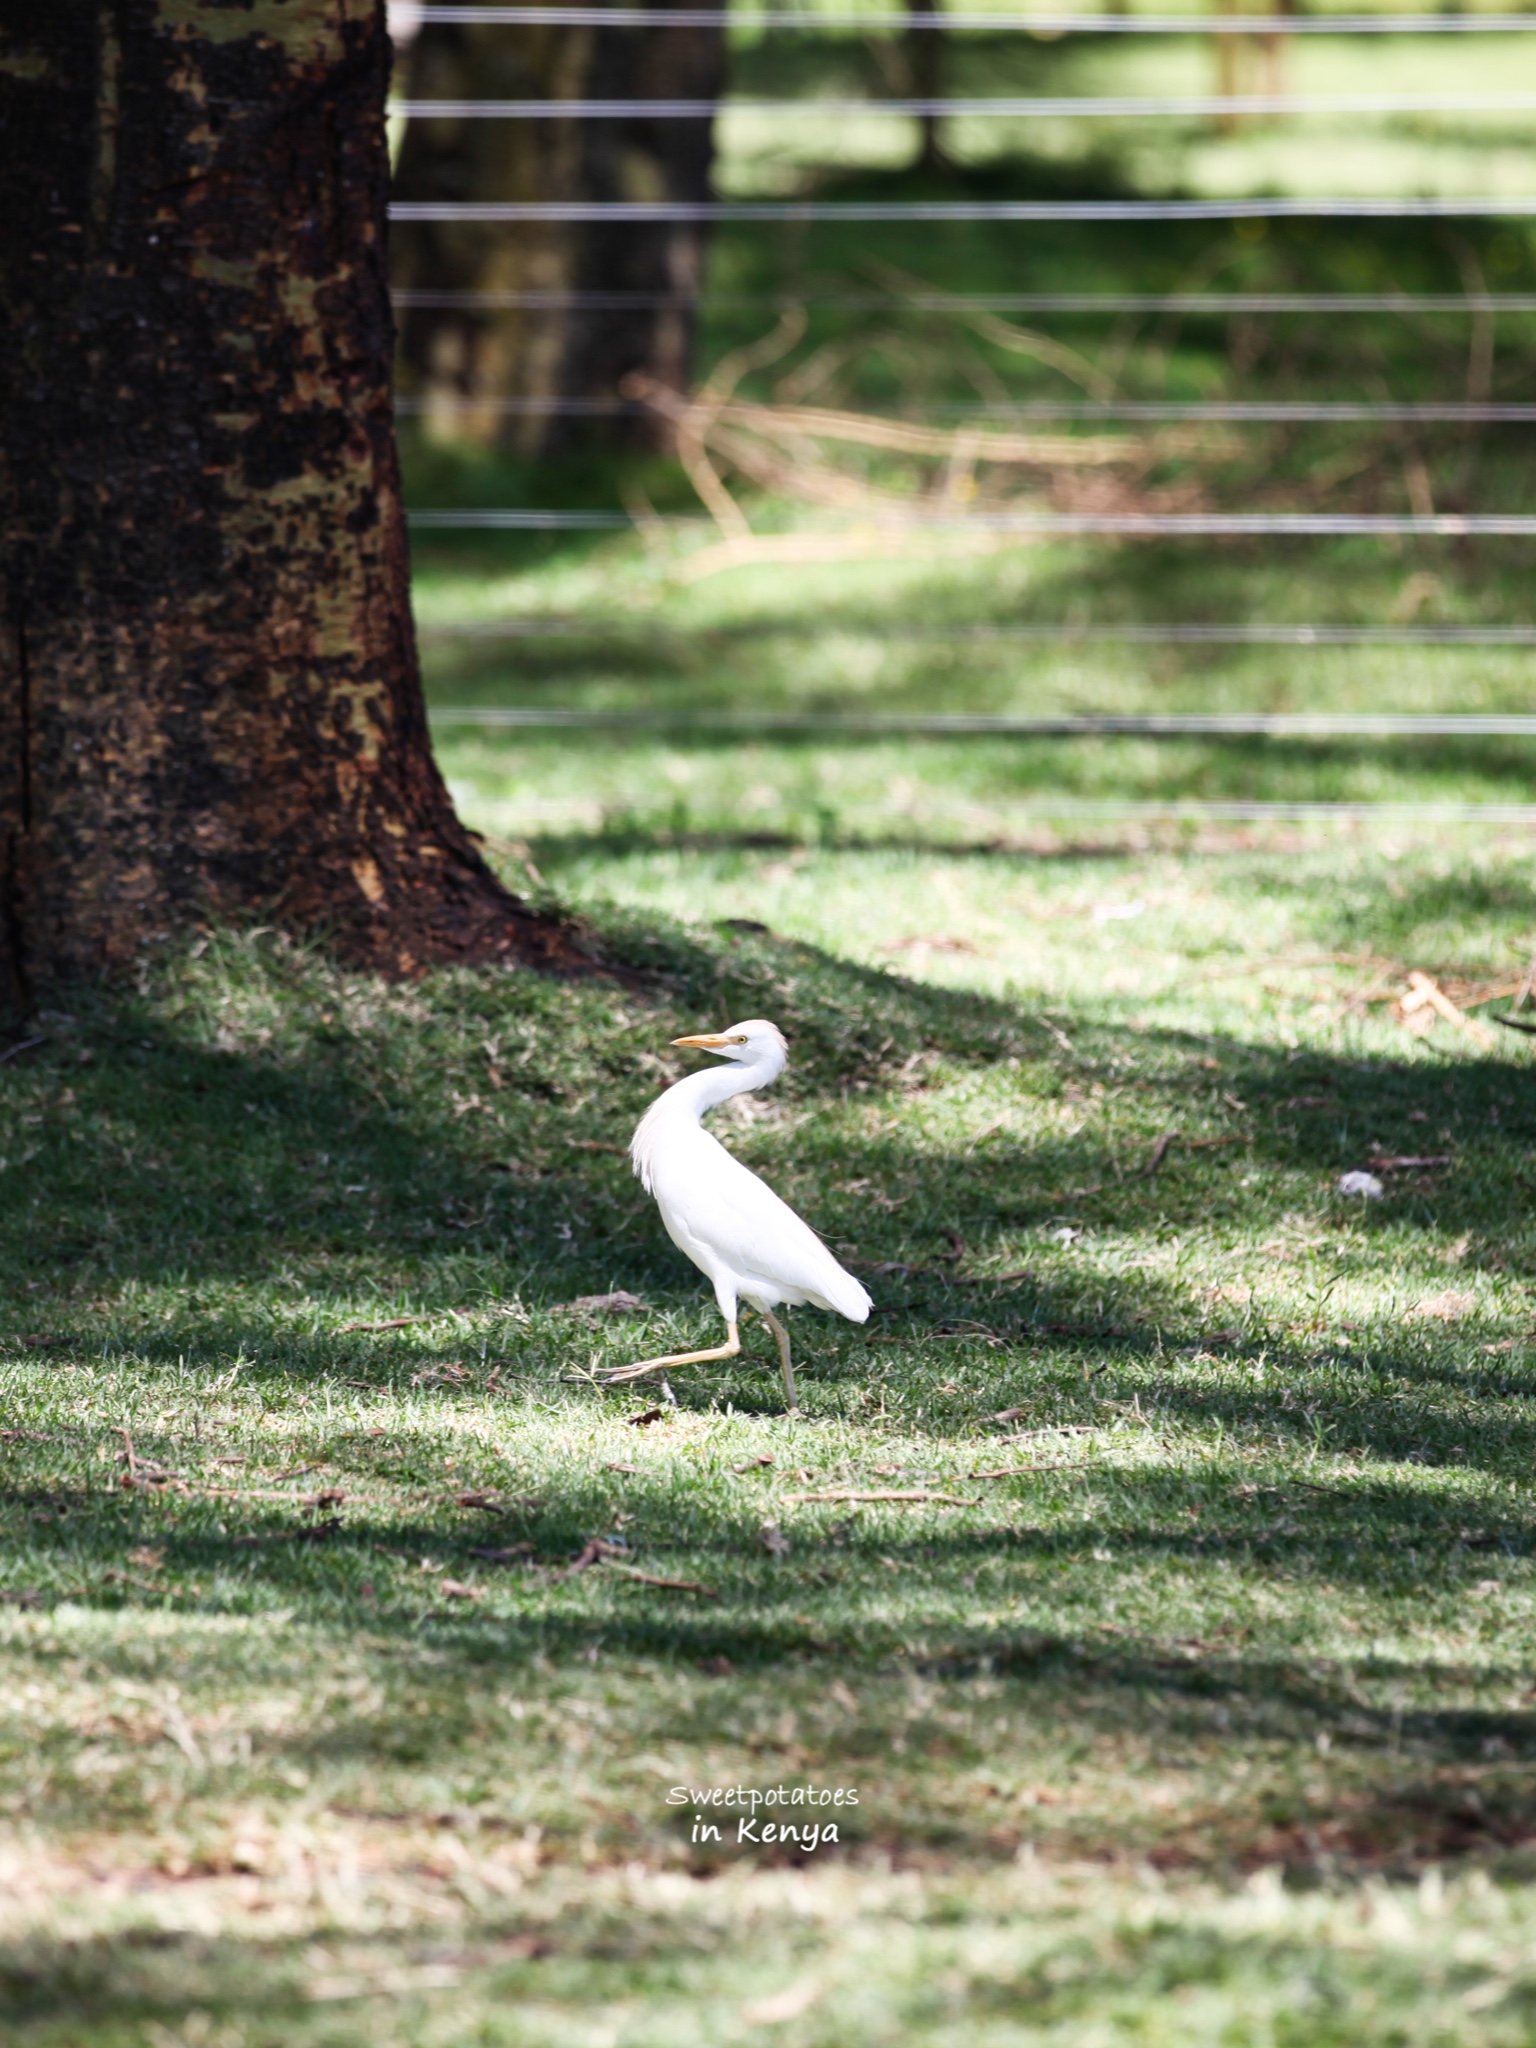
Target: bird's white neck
x=698, y=1093
x=688, y=1100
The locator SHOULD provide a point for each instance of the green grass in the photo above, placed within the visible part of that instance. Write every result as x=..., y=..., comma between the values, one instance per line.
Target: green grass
x=1208, y=1721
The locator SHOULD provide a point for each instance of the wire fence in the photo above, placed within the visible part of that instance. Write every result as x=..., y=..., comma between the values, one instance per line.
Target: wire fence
x=1213, y=305
x=996, y=824
x=1039, y=525
x=1170, y=725
x=1476, y=304
x=1233, y=411
x=943, y=22
x=1193, y=105
x=711, y=212
x=1034, y=633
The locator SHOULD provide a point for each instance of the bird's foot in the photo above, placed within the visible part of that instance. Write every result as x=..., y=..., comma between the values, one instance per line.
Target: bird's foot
x=729, y=1349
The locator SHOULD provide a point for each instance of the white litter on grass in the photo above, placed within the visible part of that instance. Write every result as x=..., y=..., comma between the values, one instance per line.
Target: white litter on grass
x=1365, y=1185
x=1066, y=1235
x=1112, y=913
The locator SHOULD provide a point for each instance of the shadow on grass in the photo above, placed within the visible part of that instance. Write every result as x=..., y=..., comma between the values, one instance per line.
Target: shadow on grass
x=455, y=1144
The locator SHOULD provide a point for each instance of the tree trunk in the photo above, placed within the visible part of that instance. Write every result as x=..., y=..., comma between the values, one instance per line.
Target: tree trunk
x=925, y=60
x=492, y=370
x=209, y=695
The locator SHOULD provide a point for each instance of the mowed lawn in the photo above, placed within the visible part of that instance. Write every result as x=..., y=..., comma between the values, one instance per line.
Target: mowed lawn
x=1152, y=1575
x=1189, y=1700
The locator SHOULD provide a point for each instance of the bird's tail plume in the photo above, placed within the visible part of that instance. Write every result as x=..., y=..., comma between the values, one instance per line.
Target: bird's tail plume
x=847, y=1296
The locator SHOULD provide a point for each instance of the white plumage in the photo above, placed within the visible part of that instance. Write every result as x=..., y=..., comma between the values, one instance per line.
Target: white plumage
x=751, y=1246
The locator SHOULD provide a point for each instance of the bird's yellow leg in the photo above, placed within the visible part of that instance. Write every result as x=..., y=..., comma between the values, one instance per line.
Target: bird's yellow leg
x=781, y=1337
x=728, y=1349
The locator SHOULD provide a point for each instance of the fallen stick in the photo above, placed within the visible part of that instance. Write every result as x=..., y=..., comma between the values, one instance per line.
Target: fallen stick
x=1158, y=1154
x=1009, y=1471
x=313, y=1534
x=1426, y=992
x=628, y=1571
x=953, y=1500
x=593, y=1551
x=596, y=1551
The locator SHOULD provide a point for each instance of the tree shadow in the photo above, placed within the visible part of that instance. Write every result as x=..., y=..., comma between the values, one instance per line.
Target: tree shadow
x=406, y=1158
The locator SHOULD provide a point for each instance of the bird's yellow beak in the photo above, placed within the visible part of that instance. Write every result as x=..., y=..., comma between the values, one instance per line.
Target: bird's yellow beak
x=706, y=1039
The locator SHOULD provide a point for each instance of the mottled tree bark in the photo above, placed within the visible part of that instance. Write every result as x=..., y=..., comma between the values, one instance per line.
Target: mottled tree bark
x=209, y=696
x=465, y=362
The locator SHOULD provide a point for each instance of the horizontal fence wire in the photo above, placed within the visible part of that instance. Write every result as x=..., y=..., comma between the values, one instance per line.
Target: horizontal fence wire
x=505, y=211
x=1246, y=812
x=1051, y=25
x=1216, y=305
x=1176, y=104
x=1263, y=411
x=1042, y=525
x=995, y=820
x=1320, y=725
x=1045, y=633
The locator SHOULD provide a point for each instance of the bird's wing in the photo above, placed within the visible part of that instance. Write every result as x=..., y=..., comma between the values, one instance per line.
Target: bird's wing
x=722, y=1206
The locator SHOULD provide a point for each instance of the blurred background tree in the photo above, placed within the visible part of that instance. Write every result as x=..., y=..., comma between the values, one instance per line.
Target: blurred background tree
x=493, y=369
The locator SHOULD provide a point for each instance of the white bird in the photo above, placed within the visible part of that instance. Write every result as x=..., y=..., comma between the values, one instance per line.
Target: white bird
x=750, y=1245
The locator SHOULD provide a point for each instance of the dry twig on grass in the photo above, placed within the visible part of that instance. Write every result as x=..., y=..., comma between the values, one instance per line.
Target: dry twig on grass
x=1012, y=1471
x=846, y=1493
x=596, y=1551
x=1158, y=1154
x=640, y=1578
x=1425, y=995
x=315, y=1534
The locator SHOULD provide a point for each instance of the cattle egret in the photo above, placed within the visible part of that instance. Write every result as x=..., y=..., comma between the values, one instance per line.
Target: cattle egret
x=751, y=1246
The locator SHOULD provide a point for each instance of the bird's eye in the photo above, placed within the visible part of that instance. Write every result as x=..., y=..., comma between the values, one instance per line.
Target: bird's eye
x=738, y=1038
